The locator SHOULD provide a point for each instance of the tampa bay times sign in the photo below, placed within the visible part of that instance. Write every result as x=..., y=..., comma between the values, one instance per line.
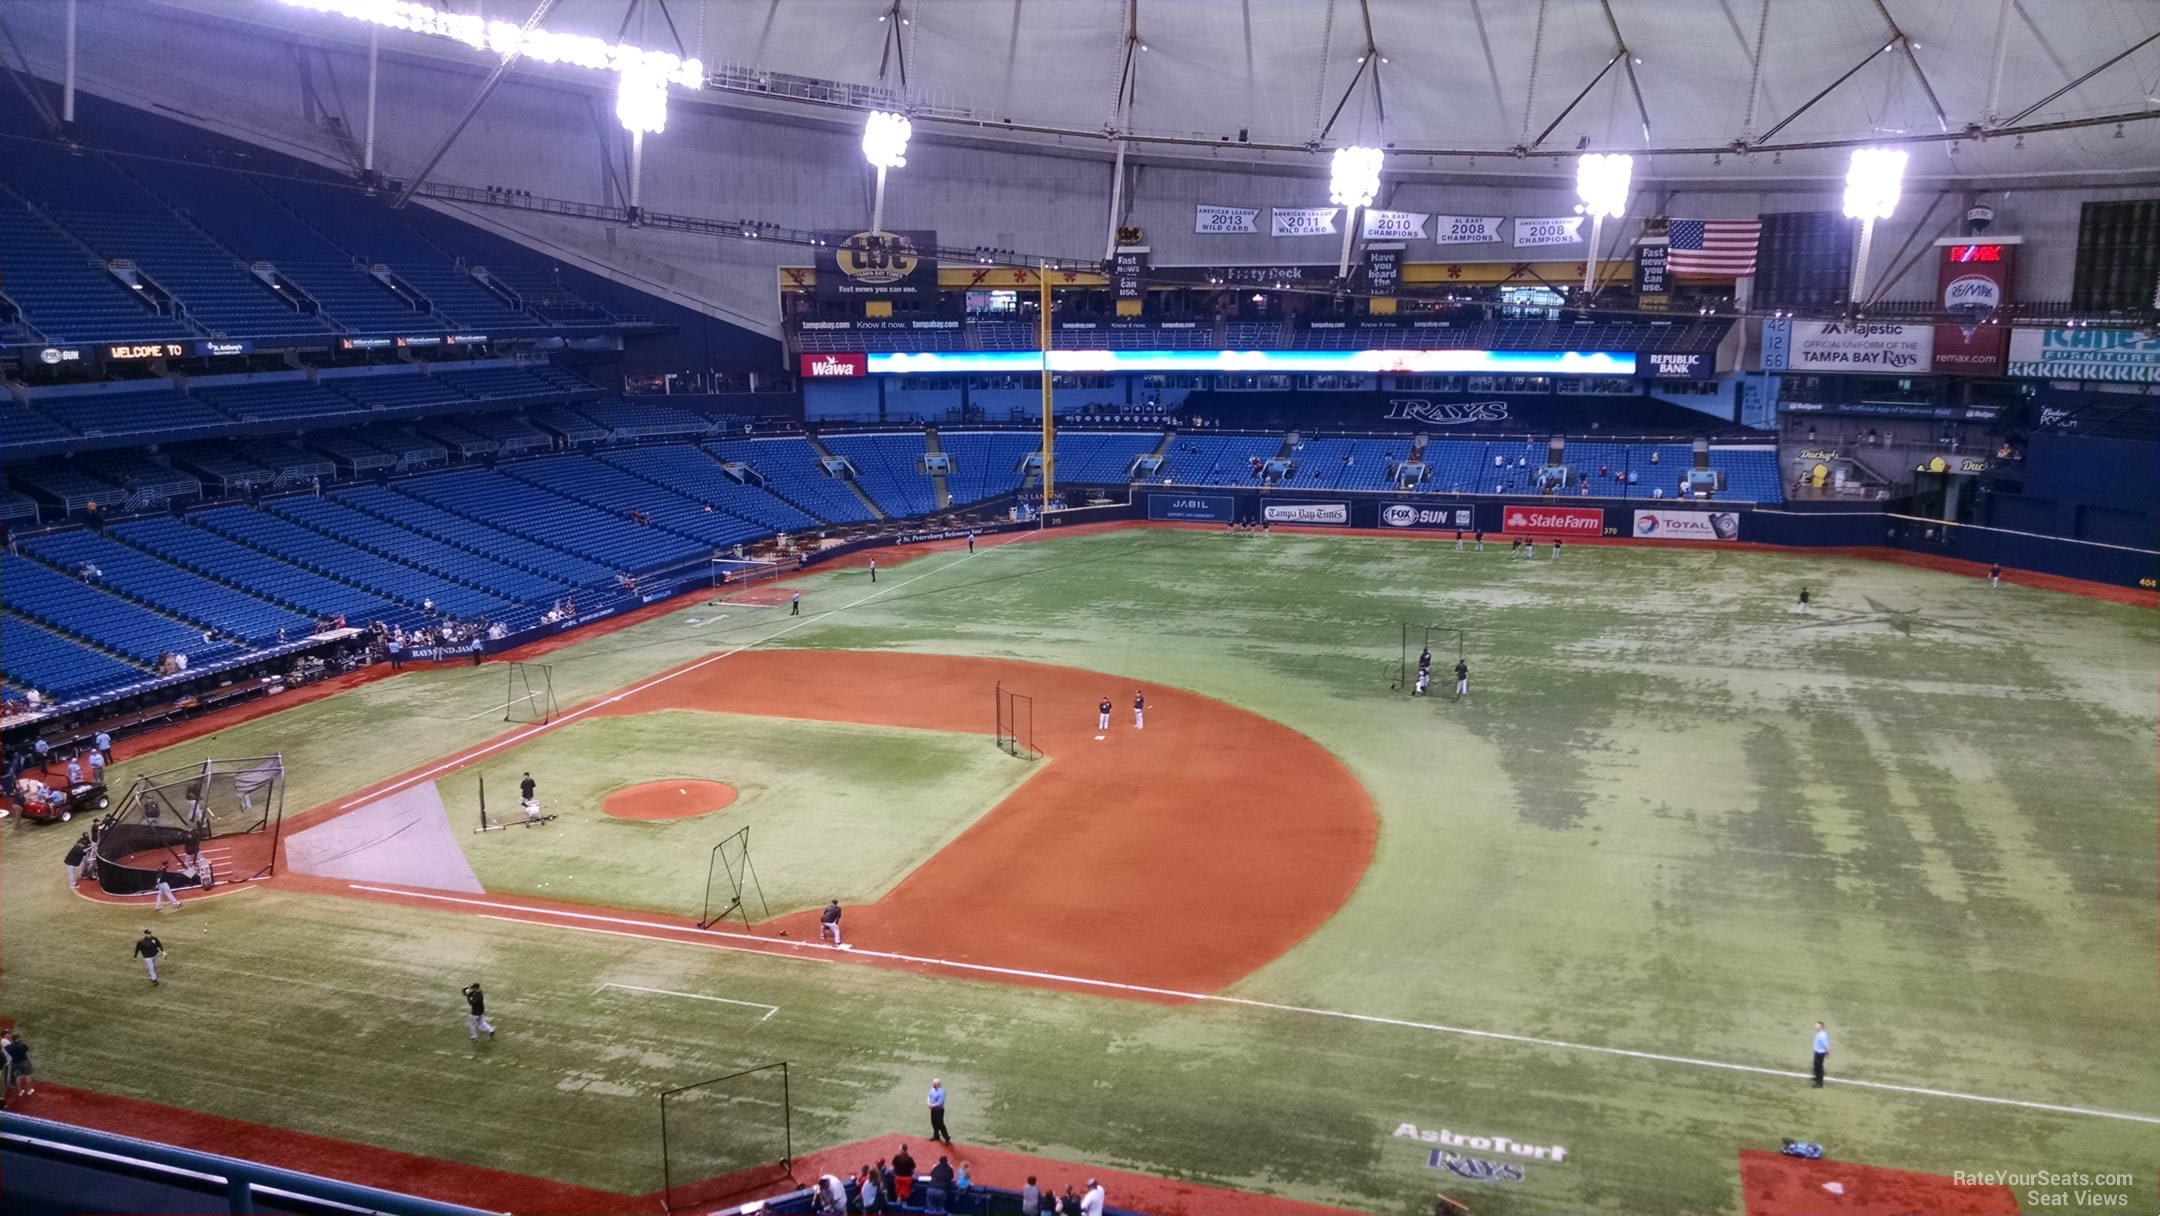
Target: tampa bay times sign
x=900, y=267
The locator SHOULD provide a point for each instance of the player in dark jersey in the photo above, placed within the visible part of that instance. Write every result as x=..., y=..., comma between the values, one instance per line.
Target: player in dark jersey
x=476, y=1015
x=1139, y=709
x=1102, y=715
x=147, y=948
x=1462, y=678
x=1994, y=574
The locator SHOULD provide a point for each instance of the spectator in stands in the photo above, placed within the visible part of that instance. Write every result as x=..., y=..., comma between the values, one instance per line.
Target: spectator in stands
x=866, y=1192
x=428, y=605
x=903, y=1167
x=1091, y=1204
x=1030, y=1198
x=965, y=1179
x=17, y=1050
x=941, y=1183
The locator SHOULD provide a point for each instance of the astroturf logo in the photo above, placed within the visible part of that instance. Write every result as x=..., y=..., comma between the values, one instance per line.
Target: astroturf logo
x=1483, y=1144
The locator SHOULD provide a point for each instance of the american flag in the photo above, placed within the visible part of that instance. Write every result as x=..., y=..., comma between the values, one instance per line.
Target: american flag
x=1722, y=249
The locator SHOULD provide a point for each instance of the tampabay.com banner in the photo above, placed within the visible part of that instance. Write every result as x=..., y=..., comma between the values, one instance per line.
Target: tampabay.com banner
x=1506, y=362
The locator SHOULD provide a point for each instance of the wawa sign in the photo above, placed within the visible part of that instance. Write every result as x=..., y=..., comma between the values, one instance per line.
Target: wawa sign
x=826, y=367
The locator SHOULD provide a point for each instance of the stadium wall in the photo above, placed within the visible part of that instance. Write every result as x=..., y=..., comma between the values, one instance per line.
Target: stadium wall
x=282, y=73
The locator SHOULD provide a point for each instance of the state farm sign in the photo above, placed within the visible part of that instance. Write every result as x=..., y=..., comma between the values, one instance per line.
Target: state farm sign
x=826, y=367
x=1563, y=521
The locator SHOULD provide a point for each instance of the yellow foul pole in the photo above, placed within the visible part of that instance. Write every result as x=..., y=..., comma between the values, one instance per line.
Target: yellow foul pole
x=1049, y=431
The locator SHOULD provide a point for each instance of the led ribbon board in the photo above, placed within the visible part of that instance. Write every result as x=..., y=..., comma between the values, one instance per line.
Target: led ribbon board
x=1498, y=362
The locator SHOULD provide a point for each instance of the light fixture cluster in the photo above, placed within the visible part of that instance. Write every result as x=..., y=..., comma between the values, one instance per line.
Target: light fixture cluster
x=641, y=101
x=1354, y=180
x=1873, y=181
x=885, y=139
x=1601, y=181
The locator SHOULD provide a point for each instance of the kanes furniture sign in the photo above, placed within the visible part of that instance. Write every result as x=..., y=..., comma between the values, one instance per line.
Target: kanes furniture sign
x=2122, y=356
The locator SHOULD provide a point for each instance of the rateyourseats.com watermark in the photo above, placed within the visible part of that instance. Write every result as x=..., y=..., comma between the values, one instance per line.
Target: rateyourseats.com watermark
x=2061, y=1190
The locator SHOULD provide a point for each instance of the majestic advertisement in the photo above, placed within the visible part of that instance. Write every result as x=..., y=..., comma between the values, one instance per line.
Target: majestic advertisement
x=1306, y=513
x=1467, y=229
x=1687, y=525
x=829, y=366
x=1789, y=345
x=900, y=267
x=1207, y=508
x=1549, y=521
x=1225, y=219
x=1426, y=516
x=1556, y=230
x=1973, y=285
x=2120, y=356
x=1302, y=221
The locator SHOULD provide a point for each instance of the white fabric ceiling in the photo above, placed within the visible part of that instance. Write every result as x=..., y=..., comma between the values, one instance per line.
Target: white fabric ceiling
x=1459, y=73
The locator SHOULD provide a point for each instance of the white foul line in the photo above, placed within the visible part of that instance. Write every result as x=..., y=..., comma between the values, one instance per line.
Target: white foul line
x=465, y=758
x=830, y=954
x=769, y=1009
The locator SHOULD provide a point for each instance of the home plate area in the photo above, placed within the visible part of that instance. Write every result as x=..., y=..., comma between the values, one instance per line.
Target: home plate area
x=1777, y=1185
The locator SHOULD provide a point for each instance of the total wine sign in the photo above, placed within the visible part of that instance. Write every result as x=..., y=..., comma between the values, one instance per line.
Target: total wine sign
x=1550, y=521
x=1687, y=525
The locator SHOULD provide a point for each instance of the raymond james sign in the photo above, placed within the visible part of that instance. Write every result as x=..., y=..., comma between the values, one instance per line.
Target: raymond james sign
x=1838, y=346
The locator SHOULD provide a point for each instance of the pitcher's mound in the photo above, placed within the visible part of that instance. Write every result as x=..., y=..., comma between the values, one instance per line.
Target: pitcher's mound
x=669, y=799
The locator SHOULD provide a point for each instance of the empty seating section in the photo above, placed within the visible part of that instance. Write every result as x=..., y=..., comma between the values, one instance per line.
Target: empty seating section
x=395, y=392
x=62, y=289
x=335, y=519
x=985, y=464
x=1218, y=460
x=690, y=470
x=222, y=465
x=137, y=575
x=287, y=461
x=473, y=536
x=1101, y=457
x=69, y=486
x=276, y=401
x=571, y=425
x=394, y=580
x=408, y=449
x=501, y=384
x=1347, y=464
x=610, y=489
x=523, y=508
x=639, y=419
x=351, y=454
x=793, y=470
x=61, y=669
x=463, y=299
x=455, y=437
x=509, y=433
x=349, y=219
x=21, y=424
x=69, y=605
x=546, y=296
x=1750, y=473
x=14, y=506
x=887, y=466
x=227, y=560
x=1458, y=466
x=136, y=471
x=132, y=413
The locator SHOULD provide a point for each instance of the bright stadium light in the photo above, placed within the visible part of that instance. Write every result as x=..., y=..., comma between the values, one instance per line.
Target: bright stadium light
x=884, y=144
x=885, y=139
x=1601, y=182
x=1872, y=183
x=640, y=103
x=1353, y=182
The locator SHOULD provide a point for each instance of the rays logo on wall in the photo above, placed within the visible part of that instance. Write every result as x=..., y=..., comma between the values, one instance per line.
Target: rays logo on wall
x=1445, y=413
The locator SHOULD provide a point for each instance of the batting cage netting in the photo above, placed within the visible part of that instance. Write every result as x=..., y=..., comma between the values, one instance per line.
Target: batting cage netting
x=1016, y=723
x=729, y=1137
x=529, y=693
x=731, y=882
x=201, y=825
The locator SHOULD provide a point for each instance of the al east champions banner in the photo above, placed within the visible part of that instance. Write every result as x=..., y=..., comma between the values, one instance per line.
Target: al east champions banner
x=1225, y=219
x=1306, y=512
x=1467, y=229
x=1425, y=515
x=1687, y=525
x=897, y=266
x=1549, y=521
x=1394, y=225
x=1841, y=346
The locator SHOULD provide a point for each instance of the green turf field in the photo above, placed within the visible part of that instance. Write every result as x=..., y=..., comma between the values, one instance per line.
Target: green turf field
x=1674, y=819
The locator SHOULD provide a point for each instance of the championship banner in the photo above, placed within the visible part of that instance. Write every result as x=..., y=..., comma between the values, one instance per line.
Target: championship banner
x=894, y=266
x=1973, y=285
x=1687, y=525
x=1840, y=346
x=1558, y=230
x=1394, y=225
x=1562, y=521
x=1225, y=219
x=2119, y=356
x=1383, y=269
x=1467, y=229
x=1306, y=513
x=1302, y=221
x=1128, y=273
x=1420, y=515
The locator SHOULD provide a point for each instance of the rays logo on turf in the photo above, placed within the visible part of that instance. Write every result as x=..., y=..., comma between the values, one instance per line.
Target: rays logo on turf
x=1476, y=1169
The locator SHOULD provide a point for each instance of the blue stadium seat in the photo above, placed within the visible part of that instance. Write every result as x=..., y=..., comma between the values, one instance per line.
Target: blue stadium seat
x=474, y=536
x=64, y=291
x=59, y=668
x=350, y=524
x=887, y=467
x=206, y=552
x=516, y=506
x=793, y=470
x=138, y=575
x=408, y=585
x=71, y=606
x=610, y=489
x=985, y=464
x=692, y=471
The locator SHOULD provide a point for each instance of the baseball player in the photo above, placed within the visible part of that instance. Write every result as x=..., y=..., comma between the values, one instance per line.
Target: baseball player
x=164, y=894
x=1803, y=601
x=829, y=922
x=1424, y=682
x=476, y=1019
x=1102, y=715
x=873, y=569
x=1462, y=678
x=147, y=949
x=1994, y=574
x=1139, y=709
x=795, y=604
x=1481, y=540
x=1458, y=540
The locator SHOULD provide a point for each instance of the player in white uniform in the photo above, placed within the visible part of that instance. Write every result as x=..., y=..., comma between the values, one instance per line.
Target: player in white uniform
x=1139, y=709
